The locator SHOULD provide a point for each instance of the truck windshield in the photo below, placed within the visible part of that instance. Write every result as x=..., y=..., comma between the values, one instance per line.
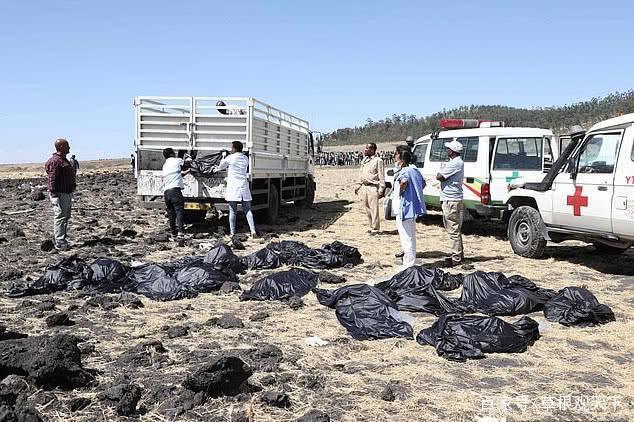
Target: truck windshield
x=519, y=154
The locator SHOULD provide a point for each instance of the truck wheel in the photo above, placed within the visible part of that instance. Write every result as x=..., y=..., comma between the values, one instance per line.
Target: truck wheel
x=310, y=195
x=274, y=205
x=602, y=248
x=525, y=232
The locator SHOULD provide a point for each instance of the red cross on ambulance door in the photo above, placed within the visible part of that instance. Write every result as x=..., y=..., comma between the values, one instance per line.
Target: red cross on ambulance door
x=586, y=201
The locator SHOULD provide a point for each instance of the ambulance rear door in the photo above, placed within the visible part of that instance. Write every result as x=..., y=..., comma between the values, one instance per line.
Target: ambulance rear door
x=519, y=159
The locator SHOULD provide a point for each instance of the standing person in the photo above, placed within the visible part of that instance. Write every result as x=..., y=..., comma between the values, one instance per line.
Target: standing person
x=132, y=162
x=74, y=164
x=229, y=110
x=410, y=184
x=173, y=185
x=451, y=177
x=371, y=186
x=237, y=165
x=61, y=185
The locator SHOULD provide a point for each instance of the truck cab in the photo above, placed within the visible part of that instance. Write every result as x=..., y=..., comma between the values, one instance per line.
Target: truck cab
x=591, y=198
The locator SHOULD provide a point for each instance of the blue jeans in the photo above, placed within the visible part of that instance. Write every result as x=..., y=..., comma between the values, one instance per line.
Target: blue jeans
x=233, y=211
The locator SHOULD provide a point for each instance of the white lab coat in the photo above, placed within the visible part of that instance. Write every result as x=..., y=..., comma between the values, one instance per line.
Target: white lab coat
x=237, y=165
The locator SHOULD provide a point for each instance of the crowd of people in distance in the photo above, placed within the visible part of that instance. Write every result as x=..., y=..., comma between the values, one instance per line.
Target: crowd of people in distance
x=349, y=158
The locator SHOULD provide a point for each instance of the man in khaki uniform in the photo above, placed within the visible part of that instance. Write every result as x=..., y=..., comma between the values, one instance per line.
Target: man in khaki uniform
x=371, y=186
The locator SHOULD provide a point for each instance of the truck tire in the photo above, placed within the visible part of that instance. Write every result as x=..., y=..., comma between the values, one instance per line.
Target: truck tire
x=270, y=213
x=310, y=195
x=525, y=232
x=602, y=248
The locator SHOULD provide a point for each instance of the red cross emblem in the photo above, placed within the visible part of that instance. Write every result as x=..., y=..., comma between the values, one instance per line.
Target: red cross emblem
x=577, y=201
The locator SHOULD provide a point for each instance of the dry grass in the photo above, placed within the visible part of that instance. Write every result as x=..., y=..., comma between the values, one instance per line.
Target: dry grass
x=564, y=362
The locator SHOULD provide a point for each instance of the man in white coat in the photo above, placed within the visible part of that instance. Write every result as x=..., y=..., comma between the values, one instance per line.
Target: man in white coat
x=237, y=165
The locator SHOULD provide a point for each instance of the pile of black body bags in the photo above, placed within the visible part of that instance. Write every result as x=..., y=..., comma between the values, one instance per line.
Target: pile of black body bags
x=468, y=327
x=185, y=277
x=374, y=312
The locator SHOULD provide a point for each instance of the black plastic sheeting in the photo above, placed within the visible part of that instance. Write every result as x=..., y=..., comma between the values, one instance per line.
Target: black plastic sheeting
x=366, y=312
x=459, y=338
x=73, y=273
x=204, y=166
x=576, y=306
x=413, y=290
x=282, y=285
x=189, y=276
x=293, y=253
x=495, y=294
x=171, y=281
x=223, y=256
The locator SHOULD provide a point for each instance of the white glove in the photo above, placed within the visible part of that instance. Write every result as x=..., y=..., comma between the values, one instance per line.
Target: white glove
x=55, y=200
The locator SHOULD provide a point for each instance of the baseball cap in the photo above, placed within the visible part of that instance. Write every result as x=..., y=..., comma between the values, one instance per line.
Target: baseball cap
x=455, y=146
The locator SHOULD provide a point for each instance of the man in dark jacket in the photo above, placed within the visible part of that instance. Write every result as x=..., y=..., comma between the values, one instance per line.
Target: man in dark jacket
x=61, y=185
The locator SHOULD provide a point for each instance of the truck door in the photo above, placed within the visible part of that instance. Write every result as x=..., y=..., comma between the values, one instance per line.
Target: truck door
x=582, y=196
x=623, y=202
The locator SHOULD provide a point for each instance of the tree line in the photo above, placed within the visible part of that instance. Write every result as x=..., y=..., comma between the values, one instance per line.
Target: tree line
x=558, y=119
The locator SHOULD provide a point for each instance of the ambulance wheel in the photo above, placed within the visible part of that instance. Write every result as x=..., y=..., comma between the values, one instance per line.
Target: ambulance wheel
x=270, y=213
x=308, y=201
x=602, y=248
x=525, y=232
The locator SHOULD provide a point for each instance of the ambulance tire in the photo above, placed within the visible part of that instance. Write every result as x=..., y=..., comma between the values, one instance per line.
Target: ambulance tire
x=602, y=248
x=525, y=232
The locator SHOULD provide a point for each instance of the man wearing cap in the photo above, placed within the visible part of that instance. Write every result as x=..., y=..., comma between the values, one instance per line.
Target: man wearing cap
x=371, y=186
x=451, y=177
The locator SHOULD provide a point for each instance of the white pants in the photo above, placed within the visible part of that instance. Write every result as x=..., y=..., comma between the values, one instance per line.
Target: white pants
x=407, y=233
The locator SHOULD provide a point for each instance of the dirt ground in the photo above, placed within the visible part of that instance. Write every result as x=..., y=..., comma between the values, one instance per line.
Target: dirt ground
x=568, y=374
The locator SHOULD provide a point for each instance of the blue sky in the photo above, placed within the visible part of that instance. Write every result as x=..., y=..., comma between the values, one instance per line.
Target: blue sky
x=71, y=68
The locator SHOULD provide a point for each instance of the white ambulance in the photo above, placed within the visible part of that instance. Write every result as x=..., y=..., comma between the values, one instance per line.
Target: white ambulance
x=494, y=156
x=588, y=195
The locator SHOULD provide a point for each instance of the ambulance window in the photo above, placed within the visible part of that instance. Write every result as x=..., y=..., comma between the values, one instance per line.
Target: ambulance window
x=469, y=149
x=419, y=155
x=599, y=153
x=563, y=143
x=438, y=151
x=548, y=154
x=518, y=154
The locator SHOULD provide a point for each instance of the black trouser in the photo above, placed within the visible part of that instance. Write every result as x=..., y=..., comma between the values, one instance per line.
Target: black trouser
x=175, y=209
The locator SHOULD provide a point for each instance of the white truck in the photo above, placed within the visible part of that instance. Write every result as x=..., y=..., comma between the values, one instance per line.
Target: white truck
x=280, y=148
x=589, y=194
x=494, y=156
